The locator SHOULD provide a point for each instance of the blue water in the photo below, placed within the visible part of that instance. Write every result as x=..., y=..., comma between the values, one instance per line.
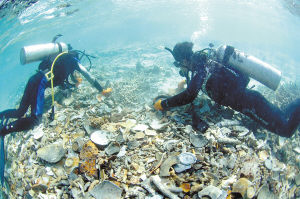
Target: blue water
x=265, y=29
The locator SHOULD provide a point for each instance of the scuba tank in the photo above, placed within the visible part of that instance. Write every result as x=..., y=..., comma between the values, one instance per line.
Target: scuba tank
x=250, y=65
x=39, y=52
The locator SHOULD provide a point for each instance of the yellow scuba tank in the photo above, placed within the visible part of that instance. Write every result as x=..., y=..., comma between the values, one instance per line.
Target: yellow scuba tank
x=250, y=65
x=38, y=52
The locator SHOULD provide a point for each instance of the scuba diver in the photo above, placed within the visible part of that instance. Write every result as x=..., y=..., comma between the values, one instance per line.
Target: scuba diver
x=223, y=75
x=59, y=62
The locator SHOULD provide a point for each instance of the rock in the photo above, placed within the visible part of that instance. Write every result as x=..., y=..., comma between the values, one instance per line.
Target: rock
x=122, y=151
x=140, y=127
x=139, y=135
x=113, y=148
x=71, y=163
x=228, y=140
x=242, y=186
x=39, y=187
x=297, y=179
x=187, y=158
x=263, y=155
x=226, y=184
x=38, y=132
x=212, y=192
x=150, y=132
x=88, y=156
x=264, y=193
x=297, y=150
x=157, y=125
x=77, y=144
x=68, y=101
x=198, y=140
x=133, y=144
x=228, y=123
x=162, y=188
x=52, y=153
x=100, y=138
x=231, y=161
x=251, y=169
x=167, y=164
x=106, y=190
x=243, y=131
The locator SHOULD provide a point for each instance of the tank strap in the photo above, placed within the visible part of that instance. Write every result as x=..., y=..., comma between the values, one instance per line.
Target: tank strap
x=228, y=52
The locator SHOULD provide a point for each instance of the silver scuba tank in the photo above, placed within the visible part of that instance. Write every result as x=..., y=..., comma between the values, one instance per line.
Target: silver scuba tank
x=40, y=51
x=250, y=65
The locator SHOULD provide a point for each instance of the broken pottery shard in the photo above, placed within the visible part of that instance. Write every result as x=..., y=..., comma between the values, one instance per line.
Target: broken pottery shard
x=113, y=148
x=186, y=160
x=162, y=188
x=297, y=180
x=241, y=187
x=157, y=125
x=86, y=126
x=122, y=151
x=227, y=140
x=38, y=132
x=77, y=144
x=100, y=138
x=198, y=140
x=181, y=167
x=228, y=123
x=52, y=153
x=140, y=127
x=264, y=193
x=212, y=192
x=167, y=164
x=150, y=132
x=106, y=190
x=297, y=150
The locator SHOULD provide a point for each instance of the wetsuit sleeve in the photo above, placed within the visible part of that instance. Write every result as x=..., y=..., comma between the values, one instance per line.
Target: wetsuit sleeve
x=92, y=80
x=188, y=95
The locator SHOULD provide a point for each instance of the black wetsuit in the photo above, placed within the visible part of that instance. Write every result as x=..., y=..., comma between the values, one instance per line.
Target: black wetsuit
x=34, y=97
x=34, y=94
x=228, y=87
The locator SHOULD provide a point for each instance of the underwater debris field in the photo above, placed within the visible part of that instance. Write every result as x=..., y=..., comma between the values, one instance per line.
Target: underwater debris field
x=118, y=146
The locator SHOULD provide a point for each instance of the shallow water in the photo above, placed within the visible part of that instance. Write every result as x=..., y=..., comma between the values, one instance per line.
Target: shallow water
x=122, y=33
x=266, y=29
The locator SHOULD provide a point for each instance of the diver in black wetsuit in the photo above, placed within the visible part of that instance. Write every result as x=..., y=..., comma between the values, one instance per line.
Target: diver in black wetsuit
x=34, y=92
x=227, y=87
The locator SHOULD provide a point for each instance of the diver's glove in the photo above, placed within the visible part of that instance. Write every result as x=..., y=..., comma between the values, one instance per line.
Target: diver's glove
x=158, y=106
x=181, y=84
x=107, y=91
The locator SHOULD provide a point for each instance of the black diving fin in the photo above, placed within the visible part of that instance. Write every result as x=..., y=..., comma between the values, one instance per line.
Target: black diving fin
x=2, y=157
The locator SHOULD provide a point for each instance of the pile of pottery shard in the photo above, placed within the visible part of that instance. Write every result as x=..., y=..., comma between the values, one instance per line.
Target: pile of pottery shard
x=118, y=146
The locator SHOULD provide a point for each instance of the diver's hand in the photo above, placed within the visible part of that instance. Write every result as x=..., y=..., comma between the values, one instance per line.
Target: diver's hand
x=157, y=105
x=181, y=84
x=107, y=91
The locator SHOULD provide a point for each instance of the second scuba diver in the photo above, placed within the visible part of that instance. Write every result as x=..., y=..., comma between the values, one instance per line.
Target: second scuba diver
x=227, y=86
x=59, y=66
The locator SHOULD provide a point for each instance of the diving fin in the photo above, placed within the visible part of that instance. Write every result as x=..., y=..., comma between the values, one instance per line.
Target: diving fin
x=2, y=153
x=2, y=160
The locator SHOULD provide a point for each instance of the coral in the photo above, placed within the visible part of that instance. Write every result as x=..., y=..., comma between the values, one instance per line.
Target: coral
x=97, y=122
x=88, y=156
x=89, y=168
